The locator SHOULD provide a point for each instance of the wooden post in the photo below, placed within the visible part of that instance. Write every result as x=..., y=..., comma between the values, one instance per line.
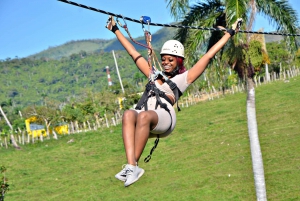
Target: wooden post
x=41, y=137
x=84, y=126
x=77, y=126
x=23, y=137
x=97, y=121
x=72, y=127
x=12, y=138
x=280, y=71
x=107, y=124
x=28, y=138
x=89, y=125
x=5, y=142
x=54, y=134
x=113, y=120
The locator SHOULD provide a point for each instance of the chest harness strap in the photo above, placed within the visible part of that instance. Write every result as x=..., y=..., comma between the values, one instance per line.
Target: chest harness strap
x=152, y=90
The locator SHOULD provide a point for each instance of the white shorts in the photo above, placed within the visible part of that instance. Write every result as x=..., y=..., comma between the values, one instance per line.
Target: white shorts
x=166, y=122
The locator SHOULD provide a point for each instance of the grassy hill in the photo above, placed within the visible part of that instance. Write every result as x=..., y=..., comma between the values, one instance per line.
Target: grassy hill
x=100, y=45
x=206, y=158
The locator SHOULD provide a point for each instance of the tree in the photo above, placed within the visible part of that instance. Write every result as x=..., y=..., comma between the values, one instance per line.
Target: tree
x=12, y=138
x=48, y=114
x=279, y=54
x=223, y=13
x=9, y=104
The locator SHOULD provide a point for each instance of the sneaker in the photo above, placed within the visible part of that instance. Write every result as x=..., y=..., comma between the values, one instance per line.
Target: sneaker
x=122, y=174
x=133, y=174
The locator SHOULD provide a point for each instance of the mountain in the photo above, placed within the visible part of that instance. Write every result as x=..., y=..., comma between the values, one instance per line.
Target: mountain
x=101, y=45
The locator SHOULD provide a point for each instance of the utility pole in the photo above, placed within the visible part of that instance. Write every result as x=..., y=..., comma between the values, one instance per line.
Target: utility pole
x=118, y=72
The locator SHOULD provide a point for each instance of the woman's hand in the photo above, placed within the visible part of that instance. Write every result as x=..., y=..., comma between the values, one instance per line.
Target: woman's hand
x=111, y=24
x=235, y=27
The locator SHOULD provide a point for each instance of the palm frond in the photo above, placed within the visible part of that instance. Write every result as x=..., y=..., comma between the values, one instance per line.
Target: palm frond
x=281, y=15
x=203, y=14
x=178, y=8
x=236, y=9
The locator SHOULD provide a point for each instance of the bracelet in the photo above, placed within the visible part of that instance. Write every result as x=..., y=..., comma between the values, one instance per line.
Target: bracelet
x=231, y=32
x=135, y=60
x=114, y=28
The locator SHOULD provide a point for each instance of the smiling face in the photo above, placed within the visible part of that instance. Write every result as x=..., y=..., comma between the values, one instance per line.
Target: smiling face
x=169, y=62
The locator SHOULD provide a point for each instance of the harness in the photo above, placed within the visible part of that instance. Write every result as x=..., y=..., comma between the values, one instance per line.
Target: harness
x=152, y=90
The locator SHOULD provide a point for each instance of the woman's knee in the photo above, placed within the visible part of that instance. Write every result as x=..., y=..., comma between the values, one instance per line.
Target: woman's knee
x=146, y=118
x=129, y=115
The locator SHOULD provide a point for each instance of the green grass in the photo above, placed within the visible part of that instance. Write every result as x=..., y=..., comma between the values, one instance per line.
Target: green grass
x=209, y=143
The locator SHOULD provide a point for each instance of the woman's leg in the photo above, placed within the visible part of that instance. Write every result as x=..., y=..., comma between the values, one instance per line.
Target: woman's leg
x=128, y=131
x=135, y=130
x=146, y=121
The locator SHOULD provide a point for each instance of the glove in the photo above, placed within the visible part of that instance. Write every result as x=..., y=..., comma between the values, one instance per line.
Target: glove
x=235, y=27
x=111, y=24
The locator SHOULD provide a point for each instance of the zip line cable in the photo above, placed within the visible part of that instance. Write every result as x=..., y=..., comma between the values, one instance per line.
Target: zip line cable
x=170, y=25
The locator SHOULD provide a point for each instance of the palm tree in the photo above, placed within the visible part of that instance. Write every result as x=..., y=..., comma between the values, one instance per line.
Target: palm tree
x=213, y=13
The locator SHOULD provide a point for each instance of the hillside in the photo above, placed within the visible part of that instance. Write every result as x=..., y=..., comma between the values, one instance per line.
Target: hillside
x=70, y=70
x=206, y=158
x=75, y=68
x=27, y=81
x=99, y=45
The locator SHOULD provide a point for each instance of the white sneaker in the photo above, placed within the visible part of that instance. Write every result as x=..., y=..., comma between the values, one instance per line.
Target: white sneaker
x=122, y=174
x=133, y=174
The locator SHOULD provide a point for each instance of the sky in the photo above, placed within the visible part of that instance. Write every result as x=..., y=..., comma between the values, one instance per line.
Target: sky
x=29, y=27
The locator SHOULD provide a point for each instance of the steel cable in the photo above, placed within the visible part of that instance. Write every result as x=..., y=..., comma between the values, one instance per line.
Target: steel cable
x=172, y=25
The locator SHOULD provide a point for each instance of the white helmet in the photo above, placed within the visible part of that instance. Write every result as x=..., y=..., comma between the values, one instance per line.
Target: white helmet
x=173, y=47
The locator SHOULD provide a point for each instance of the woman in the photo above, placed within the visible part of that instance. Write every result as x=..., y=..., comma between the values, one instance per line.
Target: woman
x=155, y=114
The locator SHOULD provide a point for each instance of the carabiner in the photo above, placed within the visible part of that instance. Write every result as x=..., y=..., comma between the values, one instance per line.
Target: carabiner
x=123, y=26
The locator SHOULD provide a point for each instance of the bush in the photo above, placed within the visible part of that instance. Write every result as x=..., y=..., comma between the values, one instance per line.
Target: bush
x=4, y=186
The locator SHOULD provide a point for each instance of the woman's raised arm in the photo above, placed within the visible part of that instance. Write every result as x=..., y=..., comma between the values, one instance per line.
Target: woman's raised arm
x=140, y=62
x=200, y=66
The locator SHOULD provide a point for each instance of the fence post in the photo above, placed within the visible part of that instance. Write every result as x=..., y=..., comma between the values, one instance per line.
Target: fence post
x=106, y=121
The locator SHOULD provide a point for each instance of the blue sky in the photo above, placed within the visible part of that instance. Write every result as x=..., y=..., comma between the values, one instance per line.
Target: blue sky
x=28, y=27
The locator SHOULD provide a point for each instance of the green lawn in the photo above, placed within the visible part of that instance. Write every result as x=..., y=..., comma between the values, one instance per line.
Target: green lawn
x=206, y=158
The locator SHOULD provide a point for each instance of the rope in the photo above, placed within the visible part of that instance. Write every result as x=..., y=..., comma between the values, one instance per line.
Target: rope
x=170, y=25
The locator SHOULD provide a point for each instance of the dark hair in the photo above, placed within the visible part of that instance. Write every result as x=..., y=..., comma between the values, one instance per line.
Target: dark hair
x=181, y=69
